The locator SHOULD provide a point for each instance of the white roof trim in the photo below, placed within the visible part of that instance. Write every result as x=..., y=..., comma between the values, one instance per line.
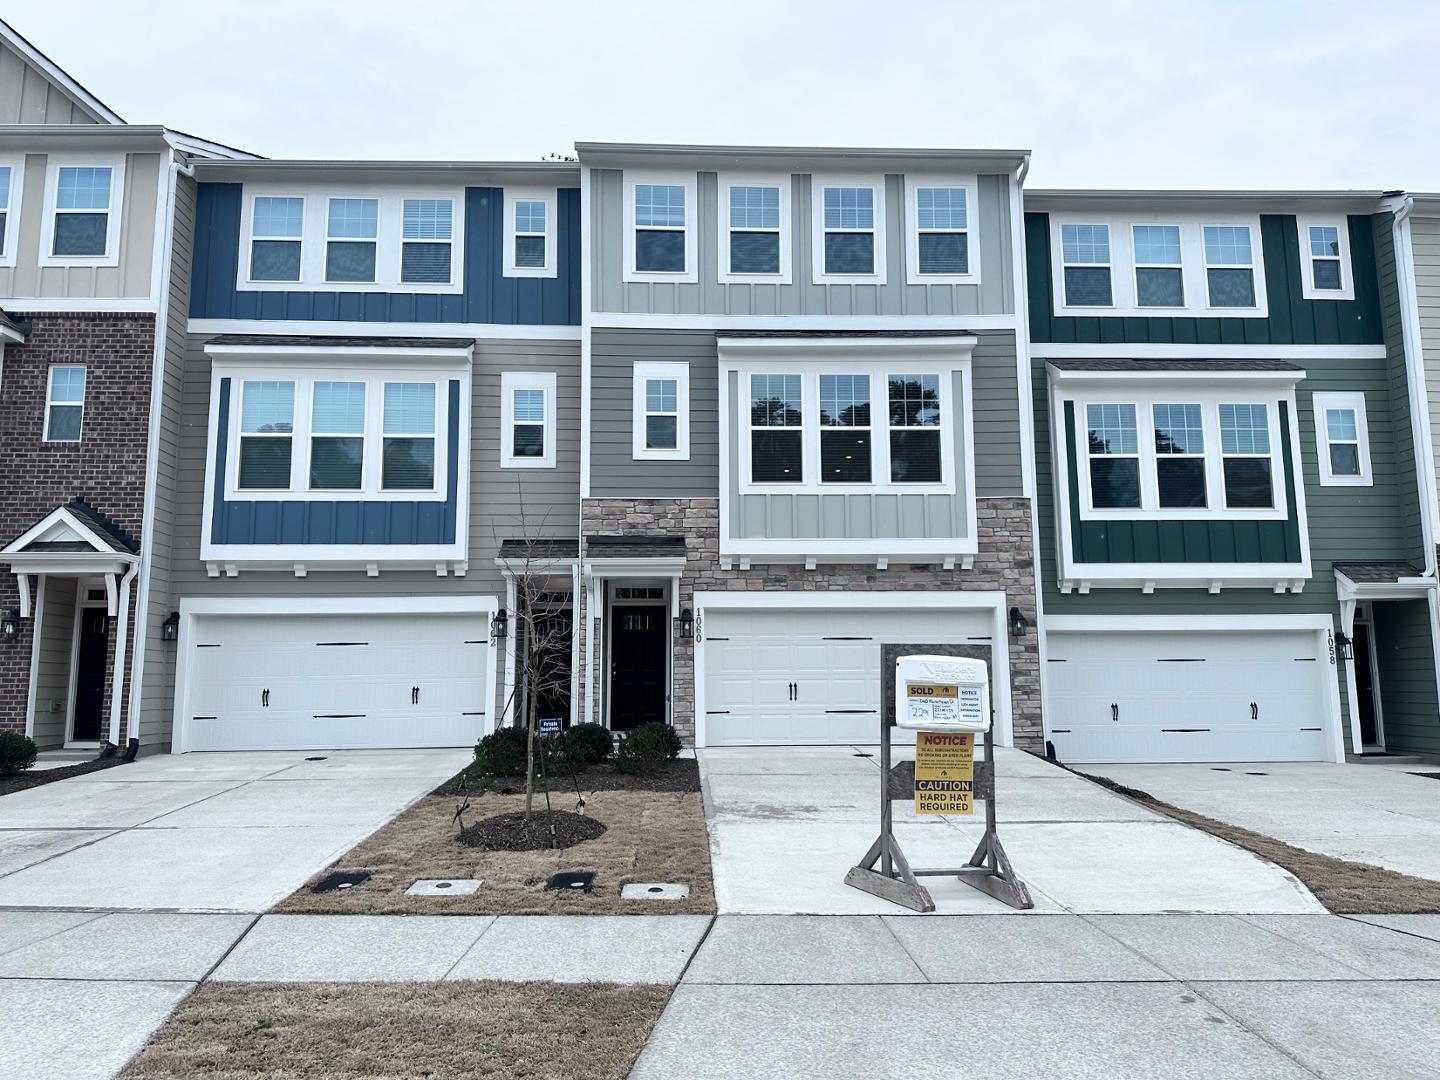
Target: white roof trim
x=87, y=101
x=61, y=524
x=1407, y=588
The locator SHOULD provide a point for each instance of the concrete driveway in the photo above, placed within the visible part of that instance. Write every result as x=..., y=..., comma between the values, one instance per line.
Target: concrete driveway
x=786, y=823
x=1376, y=812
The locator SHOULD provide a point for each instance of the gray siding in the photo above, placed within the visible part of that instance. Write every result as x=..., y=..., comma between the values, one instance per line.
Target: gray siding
x=1425, y=240
x=130, y=278
x=709, y=296
x=52, y=674
x=28, y=97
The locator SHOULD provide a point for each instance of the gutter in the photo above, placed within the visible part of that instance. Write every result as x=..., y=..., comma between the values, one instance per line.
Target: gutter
x=121, y=639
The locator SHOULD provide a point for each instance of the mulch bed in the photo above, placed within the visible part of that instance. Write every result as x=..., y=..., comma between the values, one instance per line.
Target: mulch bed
x=517, y=831
x=37, y=778
x=1344, y=887
x=681, y=775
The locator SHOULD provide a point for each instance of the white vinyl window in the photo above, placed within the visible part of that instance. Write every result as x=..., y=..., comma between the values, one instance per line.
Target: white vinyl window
x=427, y=243
x=277, y=238
x=1086, y=252
x=352, y=232
x=661, y=411
x=1247, y=457
x=777, y=436
x=530, y=233
x=660, y=211
x=11, y=176
x=845, y=436
x=848, y=217
x=1325, y=269
x=65, y=403
x=527, y=420
x=408, y=448
x=1113, y=446
x=82, y=219
x=337, y=436
x=916, y=446
x=1159, y=266
x=267, y=434
x=1342, y=440
x=940, y=243
x=1229, y=266
x=754, y=245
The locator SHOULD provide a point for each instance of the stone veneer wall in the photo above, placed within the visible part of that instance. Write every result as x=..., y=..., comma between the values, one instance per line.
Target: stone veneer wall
x=1005, y=561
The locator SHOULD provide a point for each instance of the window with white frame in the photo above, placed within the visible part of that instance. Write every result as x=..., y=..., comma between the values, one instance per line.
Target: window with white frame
x=845, y=429
x=65, y=403
x=1326, y=273
x=1159, y=267
x=940, y=247
x=1245, y=448
x=277, y=238
x=530, y=233
x=337, y=436
x=351, y=233
x=427, y=241
x=915, y=419
x=82, y=220
x=777, y=421
x=1086, y=253
x=660, y=223
x=9, y=203
x=1179, y=456
x=1229, y=266
x=408, y=449
x=1342, y=437
x=754, y=230
x=1113, y=446
x=527, y=421
x=267, y=434
x=661, y=411
x=848, y=215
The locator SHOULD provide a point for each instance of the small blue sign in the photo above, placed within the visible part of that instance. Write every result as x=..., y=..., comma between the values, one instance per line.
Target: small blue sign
x=550, y=725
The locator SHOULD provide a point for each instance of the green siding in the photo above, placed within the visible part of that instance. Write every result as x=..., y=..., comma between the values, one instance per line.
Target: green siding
x=1113, y=541
x=1409, y=708
x=1292, y=319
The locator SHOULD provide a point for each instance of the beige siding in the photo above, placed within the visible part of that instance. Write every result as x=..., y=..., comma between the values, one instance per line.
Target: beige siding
x=52, y=675
x=1425, y=239
x=27, y=96
x=130, y=278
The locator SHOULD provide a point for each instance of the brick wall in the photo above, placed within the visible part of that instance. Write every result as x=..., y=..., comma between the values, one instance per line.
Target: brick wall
x=106, y=468
x=1005, y=561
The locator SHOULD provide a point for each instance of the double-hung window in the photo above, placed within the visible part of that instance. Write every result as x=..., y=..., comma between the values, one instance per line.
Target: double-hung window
x=661, y=411
x=1114, y=452
x=267, y=427
x=849, y=220
x=1086, y=253
x=530, y=232
x=1325, y=271
x=1179, y=456
x=777, y=420
x=1159, y=270
x=337, y=436
x=915, y=417
x=1245, y=454
x=660, y=225
x=1229, y=266
x=527, y=420
x=427, y=241
x=845, y=429
x=352, y=230
x=9, y=203
x=408, y=449
x=277, y=233
x=65, y=403
x=81, y=226
x=1325, y=257
x=942, y=231
x=1342, y=439
x=754, y=231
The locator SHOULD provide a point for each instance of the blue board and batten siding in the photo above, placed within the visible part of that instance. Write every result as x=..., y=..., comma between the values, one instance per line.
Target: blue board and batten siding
x=488, y=296
x=391, y=521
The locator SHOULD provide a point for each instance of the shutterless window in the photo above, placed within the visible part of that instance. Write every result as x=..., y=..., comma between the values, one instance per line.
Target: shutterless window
x=915, y=414
x=1342, y=437
x=754, y=230
x=408, y=454
x=427, y=241
x=82, y=211
x=65, y=403
x=337, y=436
x=849, y=230
x=1179, y=456
x=662, y=414
x=845, y=429
x=351, y=229
x=4, y=204
x=1114, y=451
x=943, y=239
x=277, y=225
x=527, y=436
x=776, y=438
x=660, y=228
x=1159, y=275
x=1245, y=453
x=267, y=425
x=1325, y=257
x=1229, y=266
x=1085, y=250
x=530, y=233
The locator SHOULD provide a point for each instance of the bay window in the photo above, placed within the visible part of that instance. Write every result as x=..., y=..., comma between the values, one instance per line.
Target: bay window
x=776, y=436
x=1245, y=449
x=1179, y=456
x=337, y=436
x=1114, y=449
x=267, y=425
x=844, y=429
x=408, y=448
x=915, y=414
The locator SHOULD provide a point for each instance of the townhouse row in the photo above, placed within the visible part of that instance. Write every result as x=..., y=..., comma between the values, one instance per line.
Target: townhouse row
x=291, y=445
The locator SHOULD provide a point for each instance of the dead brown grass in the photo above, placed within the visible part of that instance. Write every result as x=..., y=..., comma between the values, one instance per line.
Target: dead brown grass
x=651, y=836
x=1345, y=888
x=501, y=1031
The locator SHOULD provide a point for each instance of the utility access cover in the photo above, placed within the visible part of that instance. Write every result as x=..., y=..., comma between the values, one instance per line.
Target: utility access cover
x=340, y=882
x=577, y=881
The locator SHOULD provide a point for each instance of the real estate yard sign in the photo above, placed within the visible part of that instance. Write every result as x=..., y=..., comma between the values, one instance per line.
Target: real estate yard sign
x=944, y=772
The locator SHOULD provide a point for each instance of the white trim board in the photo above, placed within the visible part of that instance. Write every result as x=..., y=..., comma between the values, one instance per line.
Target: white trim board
x=299, y=327
x=1055, y=350
x=959, y=324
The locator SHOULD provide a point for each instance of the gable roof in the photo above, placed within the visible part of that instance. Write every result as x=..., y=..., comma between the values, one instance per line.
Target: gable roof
x=83, y=99
x=75, y=527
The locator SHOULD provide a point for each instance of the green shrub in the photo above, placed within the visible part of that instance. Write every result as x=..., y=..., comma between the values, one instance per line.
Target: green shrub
x=647, y=748
x=582, y=745
x=17, y=753
x=502, y=752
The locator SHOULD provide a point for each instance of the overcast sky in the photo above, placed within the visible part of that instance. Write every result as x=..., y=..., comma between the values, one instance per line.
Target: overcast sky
x=1106, y=93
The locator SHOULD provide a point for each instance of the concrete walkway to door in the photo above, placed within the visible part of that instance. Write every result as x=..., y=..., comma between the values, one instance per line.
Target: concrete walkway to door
x=786, y=823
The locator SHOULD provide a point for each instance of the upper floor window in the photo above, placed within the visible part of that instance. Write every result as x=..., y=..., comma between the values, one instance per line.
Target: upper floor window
x=849, y=230
x=940, y=242
x=754, y=229
x=408, y=448
x=660, y=227
x=352, y=228
x=81, y=224
x=777, y=417
x=267, y=434
x=530, y=233
x=1342, y=437
x=1229, y=266
x=65, y=403
x=277, y=231
x=1086, y=250
x=527, y=421
x=1159, y=269
x=915, y=414
x=7, y=245
x=661, y=411
x=427, y=241
x=844, y=429
x=1325, y=269
x=337, y=436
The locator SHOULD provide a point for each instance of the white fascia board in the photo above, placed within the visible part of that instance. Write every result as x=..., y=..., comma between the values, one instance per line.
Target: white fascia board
x=927, y=550
x=957, y=323
x=1059, y=350
x=41, y=563
x=497, y=331
x=1180, y=623
x=330, y=556
x=1135, y=378
x=367, y=352
x=637, y=567
x=1186, y=575
x=61, y=516
x=337, y=605
x=882, y=600
x=830, y=345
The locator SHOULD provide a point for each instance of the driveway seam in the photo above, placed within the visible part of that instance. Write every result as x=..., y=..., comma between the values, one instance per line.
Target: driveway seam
x=57, y=933
x=469, y=948
x=693, y=953
x=885, y=922
x=1363, y=921
x=1281, y=1050
x=1250, y=920
x=233, y=945
x=57, y=854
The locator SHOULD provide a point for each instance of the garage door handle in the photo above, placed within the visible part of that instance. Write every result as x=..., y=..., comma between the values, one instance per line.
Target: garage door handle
x=1254, y=711
x=264, y=699
x=415, y=695
x=1114, y=712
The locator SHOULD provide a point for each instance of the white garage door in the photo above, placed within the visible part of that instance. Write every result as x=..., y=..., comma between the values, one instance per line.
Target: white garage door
x=1188, y=696
x=810, y=675
x=288, y=682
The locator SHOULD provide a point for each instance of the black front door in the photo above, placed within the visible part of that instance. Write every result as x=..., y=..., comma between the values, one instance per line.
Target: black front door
x=638, y=665
x=90, y=674
x=1365, y=686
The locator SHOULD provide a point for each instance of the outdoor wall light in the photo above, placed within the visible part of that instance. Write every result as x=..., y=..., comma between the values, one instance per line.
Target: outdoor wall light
x=170, y=628
x=685, y=623
x=499, y=626
x=1345, y=646
x=1017, y=622
x=10, y=624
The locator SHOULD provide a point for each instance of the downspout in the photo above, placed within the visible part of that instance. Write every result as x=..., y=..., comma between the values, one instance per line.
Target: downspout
x=152, y=449
x=1415, y=380
x=122, y=634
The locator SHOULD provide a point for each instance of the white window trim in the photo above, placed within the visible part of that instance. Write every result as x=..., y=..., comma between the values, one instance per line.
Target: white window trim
x=1123, y=291
x=726, y=181
x=648, y=369
x=1108, y=266
x=348, y=239
x=116, y=165
x=913, y=183
x=304, y=377
x=1144, y=398
x=687, y=180
x=314, y=235
x=818, y=183
x=1308, y=291
x=510, y=381
x=51, y=402
x=1136, y=266
x=11, y=237
x=248, y=253
x=548, y=196
x=1323, y=401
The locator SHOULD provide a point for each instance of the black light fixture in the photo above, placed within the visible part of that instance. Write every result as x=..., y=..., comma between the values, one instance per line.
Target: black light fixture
x=170, y=628
x=10, y=624
x=499, y=626
x=1345, y=646
x=1017, y=622
x=685, y=623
